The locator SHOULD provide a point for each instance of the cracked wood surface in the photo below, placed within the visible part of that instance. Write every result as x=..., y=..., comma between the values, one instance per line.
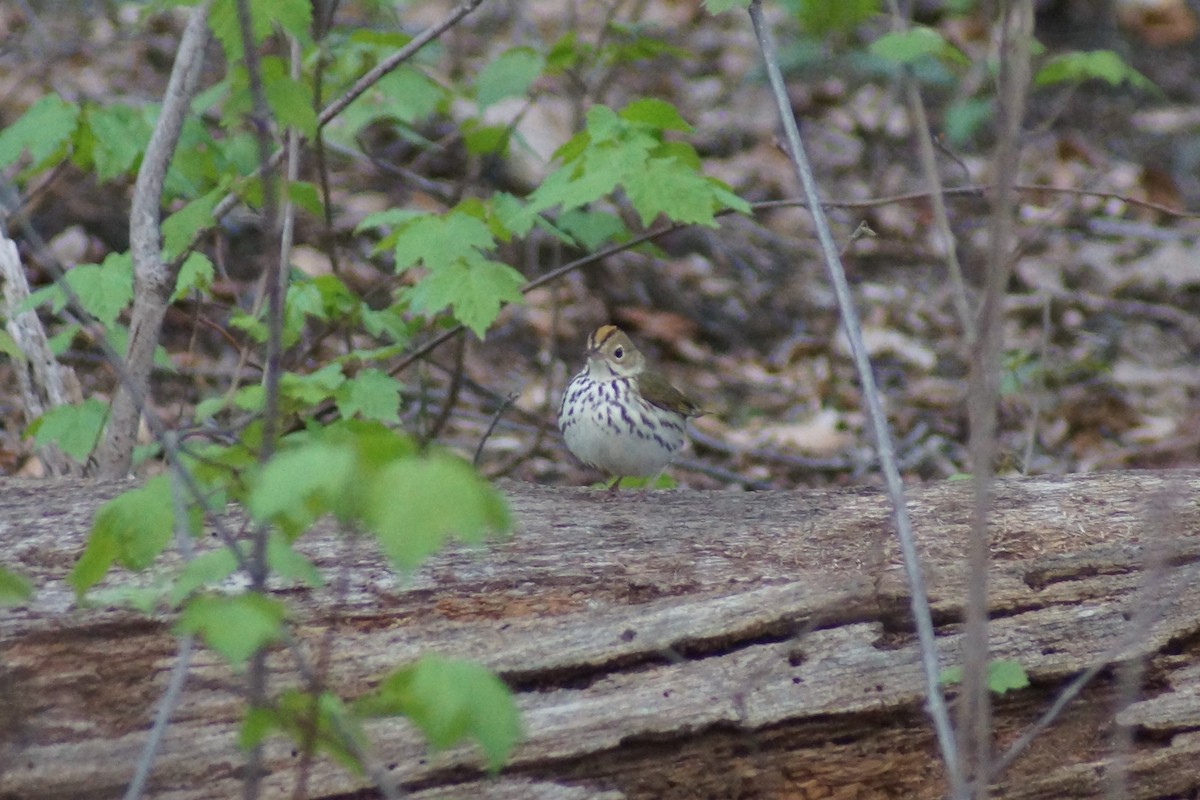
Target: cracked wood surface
x=691, y=644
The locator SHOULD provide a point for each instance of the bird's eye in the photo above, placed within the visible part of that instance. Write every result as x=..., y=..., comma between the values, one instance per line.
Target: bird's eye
x=619, y=353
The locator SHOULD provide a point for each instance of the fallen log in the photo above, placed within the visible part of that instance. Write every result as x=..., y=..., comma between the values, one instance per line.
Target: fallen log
x=691, y=644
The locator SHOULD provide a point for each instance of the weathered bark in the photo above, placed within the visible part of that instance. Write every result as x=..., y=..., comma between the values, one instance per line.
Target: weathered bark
x=686, y=645
x=44, y=383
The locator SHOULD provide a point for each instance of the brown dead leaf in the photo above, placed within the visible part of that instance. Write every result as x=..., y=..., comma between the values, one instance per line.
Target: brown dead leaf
x=823, y=434
x=1160, y=23
x=1159, y=187
x=311, y=261
x=664, y=326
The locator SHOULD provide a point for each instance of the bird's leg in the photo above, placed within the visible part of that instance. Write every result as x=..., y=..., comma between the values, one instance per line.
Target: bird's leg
x=650, y=484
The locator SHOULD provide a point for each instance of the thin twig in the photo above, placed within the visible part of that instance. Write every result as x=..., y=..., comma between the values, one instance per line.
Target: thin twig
x=895, y=488
x=310, y=724
x=980, y=190
x=274, y=276
x=1016, y=32
x=456, y=379
x=941, y=220
x=508, y=401
x=1160, y=512
x=1039, y=388
x=183, y=659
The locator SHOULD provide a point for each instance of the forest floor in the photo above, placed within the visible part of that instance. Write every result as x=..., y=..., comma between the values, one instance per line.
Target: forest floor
x=1103, y=316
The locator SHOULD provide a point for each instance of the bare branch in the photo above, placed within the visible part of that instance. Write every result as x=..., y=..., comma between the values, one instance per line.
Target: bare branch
x=1016, y=34
x=152, y=278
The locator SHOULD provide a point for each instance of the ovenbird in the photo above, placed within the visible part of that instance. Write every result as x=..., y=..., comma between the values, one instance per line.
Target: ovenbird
x=620, y=417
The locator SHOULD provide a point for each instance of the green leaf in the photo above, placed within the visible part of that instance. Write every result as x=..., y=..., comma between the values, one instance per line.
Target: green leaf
x=196, y=274
x=297, y=716
x=627, y=149
x=460, y=277
x=573, y=188
x=292, y=16
x=44, y=129
x=143, y=599
x=199, y=162
x=668, y=187
x=592, y=229
x=121, y=135
x=409, y=95
x=950, y=676
x=566, y=53
x=73, y=429
x=1003, y=675
x=392, y=217
x=510, y=75
x=450, y=699
x=657, y=114
x=105, y=289
x=98, y=557
x=251, y=398
x=290, y=565
x=908, y=47
x=513, y=213
x=604, y=125
x=236, y=627
x=721, y=6
x=131, y=529
x=14, y=589
x=484, y=139
x=441, y=241
x=303, y=301
x=661, y=481
x=393, y=324
x=179, y=228
x=205, y=569
x=727, y=198
x=301, y=483
x=209, y=407
x=822, y=17
x=414, y=504
x=8, y=346
x=61, y=341
x=53, y=297
x=306, y=196
x=632, y=44
x=1103, y=65
x=474, y=290
x=371, y=394
x=257, y=725
x=290, y=101
x=966, y=116
x=316, y=387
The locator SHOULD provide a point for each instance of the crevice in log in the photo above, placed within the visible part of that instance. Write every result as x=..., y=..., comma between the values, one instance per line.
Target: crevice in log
x=1040, y=579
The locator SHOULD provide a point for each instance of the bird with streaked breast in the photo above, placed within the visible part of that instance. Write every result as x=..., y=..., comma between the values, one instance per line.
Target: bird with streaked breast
x=619, y=416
